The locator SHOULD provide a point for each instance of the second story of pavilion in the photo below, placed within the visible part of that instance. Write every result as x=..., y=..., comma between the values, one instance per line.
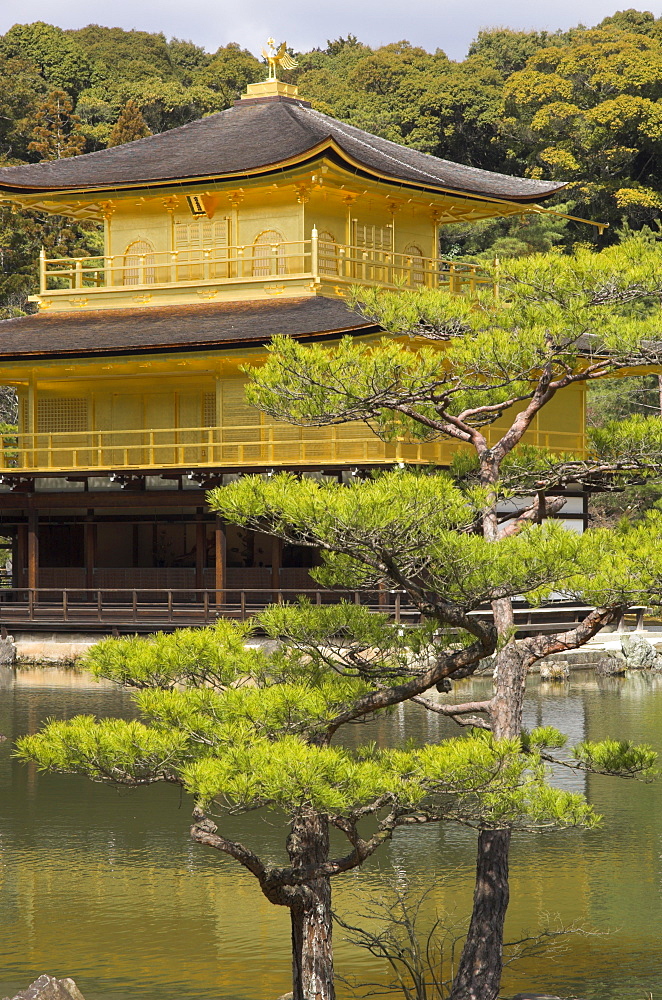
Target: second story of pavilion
x=269, y=198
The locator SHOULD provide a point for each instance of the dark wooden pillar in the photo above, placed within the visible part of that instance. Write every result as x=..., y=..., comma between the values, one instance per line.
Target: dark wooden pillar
x=200, y=549
x=15, y=568
x=135, y=545
x=220, y=549
x=21, y=554
x=90, y=549
x=276, y=560
x=33, y=550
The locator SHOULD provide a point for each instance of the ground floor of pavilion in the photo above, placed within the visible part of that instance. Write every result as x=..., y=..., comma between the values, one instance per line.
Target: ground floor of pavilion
x=110, y=553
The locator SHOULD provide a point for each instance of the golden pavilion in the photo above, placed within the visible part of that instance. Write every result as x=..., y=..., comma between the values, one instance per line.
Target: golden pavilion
x=217, y=235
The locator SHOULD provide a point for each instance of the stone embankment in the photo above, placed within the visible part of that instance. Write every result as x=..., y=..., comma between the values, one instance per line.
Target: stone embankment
x=609, y=653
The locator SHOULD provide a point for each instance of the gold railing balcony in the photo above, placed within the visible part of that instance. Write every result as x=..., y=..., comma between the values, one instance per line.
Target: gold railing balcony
x=267, y=445
x=330, y=264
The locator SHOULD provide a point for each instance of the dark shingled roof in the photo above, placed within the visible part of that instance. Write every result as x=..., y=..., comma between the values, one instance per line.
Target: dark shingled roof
x=156, y=328
x=255, y=135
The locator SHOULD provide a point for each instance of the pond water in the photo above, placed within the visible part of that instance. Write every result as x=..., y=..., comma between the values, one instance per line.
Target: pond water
x=106, y=887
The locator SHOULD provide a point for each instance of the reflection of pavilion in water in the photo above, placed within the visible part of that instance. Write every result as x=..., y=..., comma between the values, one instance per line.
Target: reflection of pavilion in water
x=563, y=707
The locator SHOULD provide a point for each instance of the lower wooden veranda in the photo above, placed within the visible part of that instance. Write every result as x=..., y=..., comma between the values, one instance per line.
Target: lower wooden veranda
x=69, y=585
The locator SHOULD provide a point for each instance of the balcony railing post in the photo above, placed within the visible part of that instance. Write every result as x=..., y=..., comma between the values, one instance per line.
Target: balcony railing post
x=78, y=278
x=42, y=270
x=141, y=269
x=314, y=253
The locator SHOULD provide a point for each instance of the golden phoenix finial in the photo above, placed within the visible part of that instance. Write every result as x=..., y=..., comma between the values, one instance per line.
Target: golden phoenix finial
x=277, y=57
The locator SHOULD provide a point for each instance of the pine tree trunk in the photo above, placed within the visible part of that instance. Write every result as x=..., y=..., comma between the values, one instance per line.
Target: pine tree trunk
x=479, y=972
x=312, y=950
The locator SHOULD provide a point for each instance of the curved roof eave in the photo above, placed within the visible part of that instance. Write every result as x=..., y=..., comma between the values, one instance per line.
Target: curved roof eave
x=315, y=151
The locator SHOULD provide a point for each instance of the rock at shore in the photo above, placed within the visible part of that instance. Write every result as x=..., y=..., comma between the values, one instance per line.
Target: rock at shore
x=50, y=988
x=640, y=654
x=612, y=664
x=554, y=670
x=7, y=651
x=541, y=996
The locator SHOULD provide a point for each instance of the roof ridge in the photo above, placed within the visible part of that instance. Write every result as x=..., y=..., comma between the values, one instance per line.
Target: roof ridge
x=339, y=126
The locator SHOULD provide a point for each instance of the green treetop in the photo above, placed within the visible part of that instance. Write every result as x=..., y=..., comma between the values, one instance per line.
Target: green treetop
x=586, y=109
x=56, y=133
x=129, y=126
x=60, y=60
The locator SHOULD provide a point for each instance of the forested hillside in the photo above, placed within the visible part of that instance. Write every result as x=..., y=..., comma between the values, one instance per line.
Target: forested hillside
x=583, y=105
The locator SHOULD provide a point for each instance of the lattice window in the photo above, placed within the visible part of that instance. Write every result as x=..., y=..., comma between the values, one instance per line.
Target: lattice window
x=267, y=246
x=373, y=237
x=209, y=409
x=61, y=415
x=139, y=263
x=327, y=253
x=202, y=248
x=415, y=263
x=240, y=420
x=202, y=234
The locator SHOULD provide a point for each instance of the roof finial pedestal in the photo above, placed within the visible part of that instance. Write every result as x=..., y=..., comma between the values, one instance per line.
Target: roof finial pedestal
x=276, y=56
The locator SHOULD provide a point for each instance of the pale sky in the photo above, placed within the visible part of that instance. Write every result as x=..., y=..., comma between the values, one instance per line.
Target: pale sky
x=446, y=24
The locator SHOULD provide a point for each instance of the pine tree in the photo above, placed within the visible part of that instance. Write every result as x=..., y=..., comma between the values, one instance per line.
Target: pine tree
x=56, y=134
x=129, y=126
